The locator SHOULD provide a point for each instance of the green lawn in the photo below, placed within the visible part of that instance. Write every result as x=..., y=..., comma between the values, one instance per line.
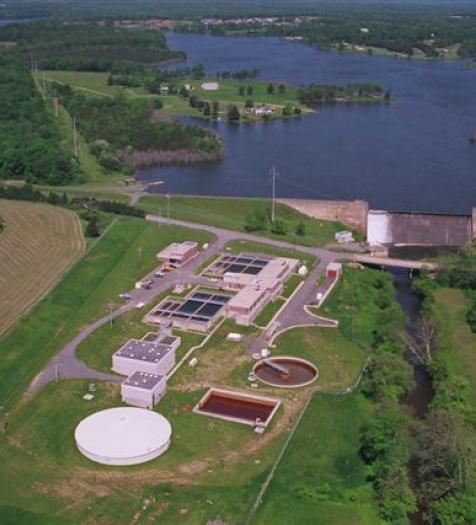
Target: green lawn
x=268, y=312
x=354, y=302
x=338, y=360
x=461, y=351
x=112, y=266
x=321, y=478
x=231, y=213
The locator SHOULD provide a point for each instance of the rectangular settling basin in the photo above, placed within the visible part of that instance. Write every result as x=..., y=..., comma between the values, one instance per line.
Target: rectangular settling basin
x=239, y=407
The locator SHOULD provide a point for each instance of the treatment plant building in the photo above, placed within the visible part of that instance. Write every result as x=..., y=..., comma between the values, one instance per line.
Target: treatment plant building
x=143, y=390
x=146, y=356
x=178, y=253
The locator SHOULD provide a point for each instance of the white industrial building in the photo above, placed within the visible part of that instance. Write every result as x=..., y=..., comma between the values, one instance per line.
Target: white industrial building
x=157, y=357
x=143, y=390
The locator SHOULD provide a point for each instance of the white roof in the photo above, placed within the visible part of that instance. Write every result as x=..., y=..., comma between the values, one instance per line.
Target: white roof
x=123, y=436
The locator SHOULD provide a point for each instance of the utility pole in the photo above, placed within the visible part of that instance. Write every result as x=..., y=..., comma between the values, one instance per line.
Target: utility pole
x=274, y=174
x=75, y=141
x=111, y=308
x=168, y=208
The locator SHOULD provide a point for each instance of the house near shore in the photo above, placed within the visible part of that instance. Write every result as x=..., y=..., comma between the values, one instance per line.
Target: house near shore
x=264, y=111
x=210, y=86
x=164, y=90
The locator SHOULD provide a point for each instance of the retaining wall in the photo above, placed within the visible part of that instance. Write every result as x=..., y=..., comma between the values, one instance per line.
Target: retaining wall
x=350, y=213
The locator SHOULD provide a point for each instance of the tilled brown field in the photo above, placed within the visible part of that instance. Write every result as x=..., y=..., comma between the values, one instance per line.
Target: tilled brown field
x=38, y=243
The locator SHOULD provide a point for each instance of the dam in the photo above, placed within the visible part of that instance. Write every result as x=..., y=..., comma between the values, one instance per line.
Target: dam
x=393, y=227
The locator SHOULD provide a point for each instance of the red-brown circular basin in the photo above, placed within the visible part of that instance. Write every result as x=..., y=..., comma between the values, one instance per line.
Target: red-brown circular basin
x=285, y=372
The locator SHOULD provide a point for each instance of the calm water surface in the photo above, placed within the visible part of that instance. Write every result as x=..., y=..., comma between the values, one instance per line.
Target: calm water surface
x=413, y=154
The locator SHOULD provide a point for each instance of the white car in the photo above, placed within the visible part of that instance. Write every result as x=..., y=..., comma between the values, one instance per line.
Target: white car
x=140, y=305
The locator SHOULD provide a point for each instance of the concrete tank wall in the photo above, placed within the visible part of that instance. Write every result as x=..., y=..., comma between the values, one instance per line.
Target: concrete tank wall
x=351, y=213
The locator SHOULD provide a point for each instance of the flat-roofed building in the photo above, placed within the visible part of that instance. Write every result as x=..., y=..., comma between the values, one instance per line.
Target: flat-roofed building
x=143, y=390
x=256, y=290
x=247, y=303
x=178, y=253
x=154, y=357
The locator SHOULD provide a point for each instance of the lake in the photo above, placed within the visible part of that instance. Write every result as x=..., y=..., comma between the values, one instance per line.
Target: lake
x=412, y=154
x=9, y=21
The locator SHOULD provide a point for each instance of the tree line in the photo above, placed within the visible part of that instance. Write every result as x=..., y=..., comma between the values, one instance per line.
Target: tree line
x=30, y=145
x=89, y=46
x=316, y=93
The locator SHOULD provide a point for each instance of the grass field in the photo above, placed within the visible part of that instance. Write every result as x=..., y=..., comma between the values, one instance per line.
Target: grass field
x=321, y=478
x=338, y=360
x=38, y=244
x=461, y=351
x=231, y=213
x=112, y=266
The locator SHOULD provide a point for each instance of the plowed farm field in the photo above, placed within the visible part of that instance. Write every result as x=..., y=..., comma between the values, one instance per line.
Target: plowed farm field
x=37, y=245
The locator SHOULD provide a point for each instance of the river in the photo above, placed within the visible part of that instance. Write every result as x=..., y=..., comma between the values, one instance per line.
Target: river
x=413, y=154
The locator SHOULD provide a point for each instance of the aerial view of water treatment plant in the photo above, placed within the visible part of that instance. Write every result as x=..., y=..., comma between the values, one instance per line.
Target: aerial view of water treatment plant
x=237, y=262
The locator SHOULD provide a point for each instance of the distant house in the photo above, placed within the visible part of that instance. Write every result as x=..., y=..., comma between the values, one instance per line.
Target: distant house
x=264, y=110
x=364, y=30
x=164, y=90
x=188, y=87
x=210, y=86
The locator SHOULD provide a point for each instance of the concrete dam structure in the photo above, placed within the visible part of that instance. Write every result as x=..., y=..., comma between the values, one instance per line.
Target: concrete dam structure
x=393, y=227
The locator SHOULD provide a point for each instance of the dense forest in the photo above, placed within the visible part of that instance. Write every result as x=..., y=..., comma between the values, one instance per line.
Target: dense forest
x=30, y=146
x=120, y=132
x=85, y=46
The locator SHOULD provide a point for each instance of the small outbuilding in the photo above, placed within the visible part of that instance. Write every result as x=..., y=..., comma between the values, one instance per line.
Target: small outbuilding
x=178, y=253
x=344, y=236
x=333, y=270
x=143, y=390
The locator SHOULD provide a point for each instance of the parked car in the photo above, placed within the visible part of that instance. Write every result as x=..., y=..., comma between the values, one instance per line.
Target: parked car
x=140, y=305
x=125, y=296
x=159, y=274
x=147, y=284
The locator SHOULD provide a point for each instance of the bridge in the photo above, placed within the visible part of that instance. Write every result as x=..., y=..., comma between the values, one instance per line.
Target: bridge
x=395, y=263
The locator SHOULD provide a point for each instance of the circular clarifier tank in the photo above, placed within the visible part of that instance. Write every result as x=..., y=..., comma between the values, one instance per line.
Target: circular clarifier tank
x=123, y=436
x=285, y=372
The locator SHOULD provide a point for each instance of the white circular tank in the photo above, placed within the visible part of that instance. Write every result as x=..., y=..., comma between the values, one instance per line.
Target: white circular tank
x=123, y=436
